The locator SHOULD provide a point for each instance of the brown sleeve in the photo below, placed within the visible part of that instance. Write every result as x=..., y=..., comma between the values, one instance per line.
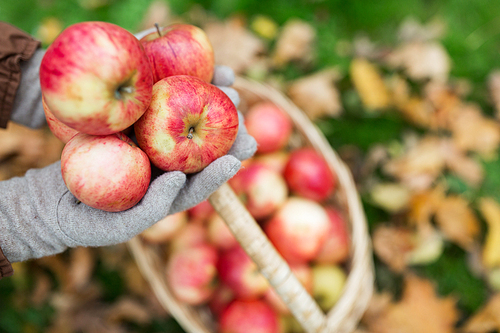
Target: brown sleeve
x=15, y=45
x=5, y=266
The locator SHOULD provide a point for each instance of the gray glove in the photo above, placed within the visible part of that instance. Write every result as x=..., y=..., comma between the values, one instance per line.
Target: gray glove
x=40, y=217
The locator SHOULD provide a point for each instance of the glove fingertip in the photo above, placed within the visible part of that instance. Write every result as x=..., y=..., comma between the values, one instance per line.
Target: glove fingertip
x=223, y=76
x=244, y=147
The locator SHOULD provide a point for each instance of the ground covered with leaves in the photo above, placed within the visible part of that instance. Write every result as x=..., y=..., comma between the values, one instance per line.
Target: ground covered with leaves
x=409, y=98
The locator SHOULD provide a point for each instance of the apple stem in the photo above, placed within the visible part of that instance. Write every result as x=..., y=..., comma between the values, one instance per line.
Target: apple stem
x=158, y=29
x=190, y=134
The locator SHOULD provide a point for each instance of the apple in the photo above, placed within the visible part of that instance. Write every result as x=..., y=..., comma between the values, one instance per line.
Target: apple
x=328, y=284
x=191, y=273
x=276, y=160
x=260, y=188
x=188, y=124
x=335, y=249
x=201, y=212
x=269, y=125
x=107, y=172
x=303, y=272
x=190, y=235
x=245, y=316
x=298, y=229
x=165, y=229
x=219, y=233
x=179, y=49
x=308, y=175
x=60, y=130
x=238, y=271
x=96, y=78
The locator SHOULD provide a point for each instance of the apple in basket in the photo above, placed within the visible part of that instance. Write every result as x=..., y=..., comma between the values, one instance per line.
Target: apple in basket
x=179, y=49
x=336, y=247
x=188, y=124
x=107, y=172
x=298, y=229
x=96, y=78
x=328, y=284
x=245, y=316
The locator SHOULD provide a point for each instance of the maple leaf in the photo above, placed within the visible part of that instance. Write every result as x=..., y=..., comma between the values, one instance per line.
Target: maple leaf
x=393, y=245
x=420, y=310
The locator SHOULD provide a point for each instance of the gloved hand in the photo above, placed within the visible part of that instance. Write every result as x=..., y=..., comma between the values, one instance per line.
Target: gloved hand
x=40, y=217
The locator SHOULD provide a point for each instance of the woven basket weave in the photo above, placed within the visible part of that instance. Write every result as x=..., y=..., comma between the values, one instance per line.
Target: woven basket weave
x=345, y=315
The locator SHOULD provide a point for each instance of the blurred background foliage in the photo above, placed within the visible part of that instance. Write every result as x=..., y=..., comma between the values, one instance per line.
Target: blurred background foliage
x=471, y=39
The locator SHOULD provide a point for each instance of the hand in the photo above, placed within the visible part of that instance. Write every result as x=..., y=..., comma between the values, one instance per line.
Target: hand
x=40, y=217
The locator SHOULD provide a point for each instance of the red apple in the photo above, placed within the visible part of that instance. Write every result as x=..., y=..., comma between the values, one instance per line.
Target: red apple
x=201, y=212
x=335, y=250
x=238, y=271
x=190, y=235
x=179, y=49
x=60, y=131
x=165, y=229
x=261, y=189
x=188, y=124
x=303, y=273
x=219, y=233
x=107, y=172
x=249, y=317
x=269, y=125
x=298, y=229
x=191, y=274
x=96, y=78
x=308, y=175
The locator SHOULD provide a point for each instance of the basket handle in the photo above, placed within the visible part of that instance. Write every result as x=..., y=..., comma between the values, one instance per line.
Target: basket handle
x=270, y=263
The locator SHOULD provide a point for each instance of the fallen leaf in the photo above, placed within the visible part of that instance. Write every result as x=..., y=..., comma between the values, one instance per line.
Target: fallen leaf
x=264, y=26
x=423, y=205
x=392, y=197
x=295, y=43
x=417, y=111
x=420, y=310
x=472, y=131
x=48, y=30
x=316, y=94
x=487, y=319
x=490, y=209
x=130, y=310
x=422, y=60
x=392, y=245
x=465, y=167
x=429, y=245
x=412, y=30
x=81, y=266
x=369, y=83
x=233, y=44
x=457, y=221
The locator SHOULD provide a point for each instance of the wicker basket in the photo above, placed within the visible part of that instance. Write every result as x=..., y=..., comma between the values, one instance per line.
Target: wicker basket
x=345, y=315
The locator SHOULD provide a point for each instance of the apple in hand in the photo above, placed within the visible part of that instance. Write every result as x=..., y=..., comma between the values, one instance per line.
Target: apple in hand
x=191, y=273
x=249, y=316
x=107, y=172
x=308, y=175
x=188, y=124
x=238, y=271
x=60, y=131
x=298, y=229
x=335, y=250
x=96, y=78
x=261, y=189
x=269, y=125
x=179, y=49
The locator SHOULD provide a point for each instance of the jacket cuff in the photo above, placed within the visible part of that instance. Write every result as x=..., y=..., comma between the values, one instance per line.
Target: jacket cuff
x=15, y=46
x=5, y=266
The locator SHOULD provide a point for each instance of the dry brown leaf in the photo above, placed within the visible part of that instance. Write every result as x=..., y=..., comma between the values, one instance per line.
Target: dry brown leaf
x=490, y=209
x=420, y=310
x=418, y=111
x=457, y=221
x=369, y=83
x=487, y=319
x=295, y=43
x=467, y=168
x=81, y=267
x=419, y=166
x=412, y=30
x=472, y=131
x=316, y=94
x=445, y=103
x=423, y=206
x=128, y=309
x=422, y=60
x=233, y=44
x=392, y=246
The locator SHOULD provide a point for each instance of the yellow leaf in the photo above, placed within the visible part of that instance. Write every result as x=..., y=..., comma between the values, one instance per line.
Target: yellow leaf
x=369, y=84
x=264, y=27
x=490, y=210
